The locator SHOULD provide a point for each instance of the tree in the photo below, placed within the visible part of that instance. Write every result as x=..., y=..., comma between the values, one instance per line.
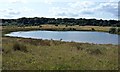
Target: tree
x=64, y=21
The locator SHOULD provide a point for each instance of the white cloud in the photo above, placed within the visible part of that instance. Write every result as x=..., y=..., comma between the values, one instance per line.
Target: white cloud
x=11, y=12
x=69, y=8
x=74, y=9
x=18, y=1
x=87, y=9
x=109, y=7
x=25, y=9
x=49, y=1
x=8, y=13
x=81, y=4
x=13, y=1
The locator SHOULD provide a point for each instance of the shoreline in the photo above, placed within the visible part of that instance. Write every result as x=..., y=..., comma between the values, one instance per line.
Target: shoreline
x=6, y=30
x=55, y=39
x=36, y=28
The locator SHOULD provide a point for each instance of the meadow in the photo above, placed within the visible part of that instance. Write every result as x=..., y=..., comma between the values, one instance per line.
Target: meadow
x=38, y=54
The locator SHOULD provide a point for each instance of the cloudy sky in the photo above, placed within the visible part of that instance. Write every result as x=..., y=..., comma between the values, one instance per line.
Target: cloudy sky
x=99, y=9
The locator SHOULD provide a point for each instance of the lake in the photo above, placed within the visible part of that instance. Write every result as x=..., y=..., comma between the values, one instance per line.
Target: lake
x=76, y=36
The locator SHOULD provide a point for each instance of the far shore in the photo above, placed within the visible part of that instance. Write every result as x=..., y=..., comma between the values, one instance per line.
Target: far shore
x=8, y=29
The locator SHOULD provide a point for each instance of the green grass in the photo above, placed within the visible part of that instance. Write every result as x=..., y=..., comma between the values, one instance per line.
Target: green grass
x=56, y=55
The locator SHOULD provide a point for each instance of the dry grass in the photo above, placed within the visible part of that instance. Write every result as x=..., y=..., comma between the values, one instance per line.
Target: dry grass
x=19, y=47
x=77, y=27
x=59, y=55
x=7, y=29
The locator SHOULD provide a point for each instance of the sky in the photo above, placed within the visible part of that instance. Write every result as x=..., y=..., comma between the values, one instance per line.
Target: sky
x=98, y=9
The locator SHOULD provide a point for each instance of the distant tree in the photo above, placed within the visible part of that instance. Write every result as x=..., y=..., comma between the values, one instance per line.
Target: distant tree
x=36, y=21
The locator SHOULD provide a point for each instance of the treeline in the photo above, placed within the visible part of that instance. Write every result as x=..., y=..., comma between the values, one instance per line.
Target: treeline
x=63, y=21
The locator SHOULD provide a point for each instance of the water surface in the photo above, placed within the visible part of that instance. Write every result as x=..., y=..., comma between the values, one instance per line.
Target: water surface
x=76, y=36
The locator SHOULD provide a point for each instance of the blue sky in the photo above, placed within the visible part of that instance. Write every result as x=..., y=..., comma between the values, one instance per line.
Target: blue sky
x=99, y=9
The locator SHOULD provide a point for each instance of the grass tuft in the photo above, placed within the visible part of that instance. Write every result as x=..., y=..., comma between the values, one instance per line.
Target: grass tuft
x=79, y=48
x=95, y=52
x=19, y=47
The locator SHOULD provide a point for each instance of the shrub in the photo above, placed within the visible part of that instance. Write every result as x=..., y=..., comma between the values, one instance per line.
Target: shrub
x=56, y=25
x=74, y=29
x=79, y=48
x=66, y=26
x=40, y=26
x=118, y=30
x=95, y=52
x=92, y=29
x=60, y=39
x=63, y=28
x=1, y=50
x=19, y=47
x=112, y=30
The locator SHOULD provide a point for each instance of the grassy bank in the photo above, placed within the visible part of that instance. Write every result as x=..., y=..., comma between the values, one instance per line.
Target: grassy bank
x=33, y=54
x=7, y=29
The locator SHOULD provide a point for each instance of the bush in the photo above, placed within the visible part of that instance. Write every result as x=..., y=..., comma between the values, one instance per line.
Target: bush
x=40, y=26
x=112, y=30
x=56, y=25
x=63, y=28
x=118, y=29
x=79, y=48
x=66, y=25
x=95, y=52
x=92, y=29
x=1, y=50
x=19, y=47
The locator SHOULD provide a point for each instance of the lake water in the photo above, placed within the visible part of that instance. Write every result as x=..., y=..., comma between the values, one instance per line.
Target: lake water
x=76, y=36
